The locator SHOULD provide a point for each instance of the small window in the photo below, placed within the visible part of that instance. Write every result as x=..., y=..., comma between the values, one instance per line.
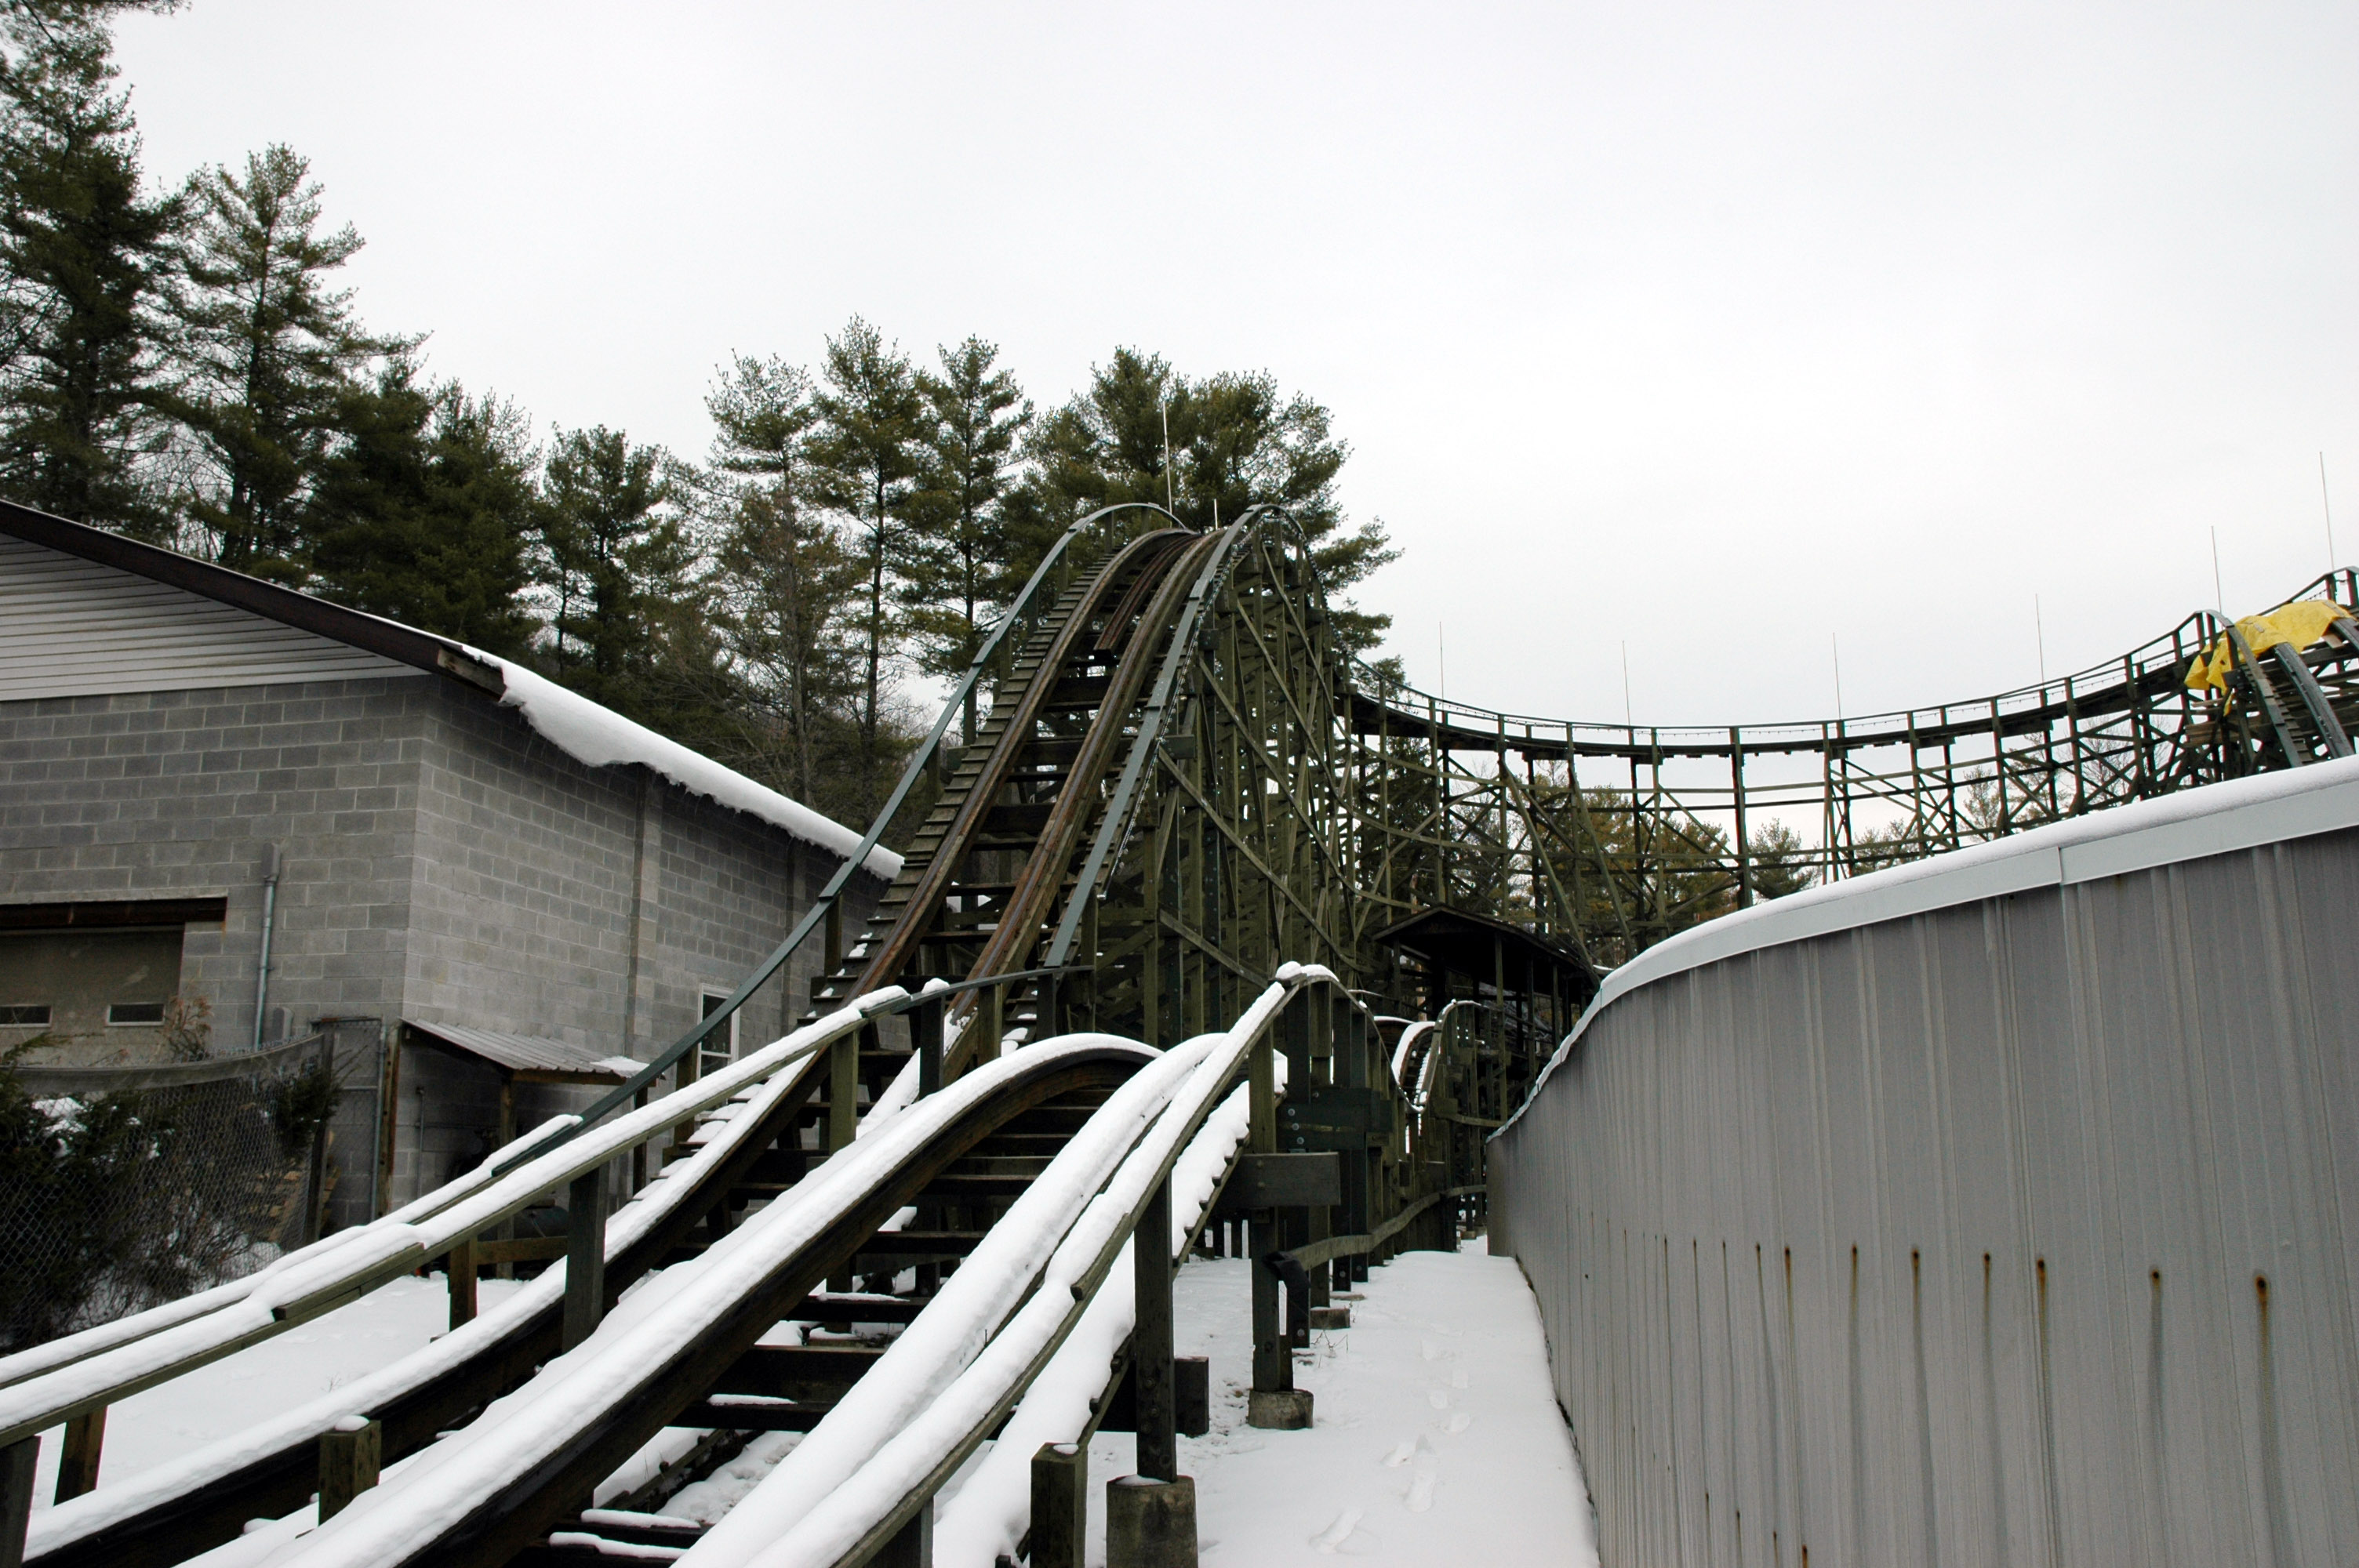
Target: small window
x=25, y=1015
x=136, y=1013
x=720, y=1046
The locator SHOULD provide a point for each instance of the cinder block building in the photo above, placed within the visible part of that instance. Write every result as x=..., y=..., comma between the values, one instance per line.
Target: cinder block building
x=513, y=888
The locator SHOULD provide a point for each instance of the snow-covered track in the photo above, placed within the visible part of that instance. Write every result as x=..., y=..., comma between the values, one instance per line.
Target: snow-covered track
x=490, y=1492
x=166, y=1516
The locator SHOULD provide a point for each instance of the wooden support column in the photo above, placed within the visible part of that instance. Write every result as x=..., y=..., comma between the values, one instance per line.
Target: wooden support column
x=926, y=1039
x=990, y=1023
x=1150, y=1339
x=913, y=1545
x=844, y=1091
x=18, y=1463
x=639, y=1150
x=1273, y=1362
x=78, y=1458
x=1061, y=1506
x=351, y=1455
x=585, y=1257
x=461, y=1266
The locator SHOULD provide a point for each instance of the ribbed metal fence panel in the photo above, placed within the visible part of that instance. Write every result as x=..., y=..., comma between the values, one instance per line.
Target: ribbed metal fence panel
x=2024, y=1231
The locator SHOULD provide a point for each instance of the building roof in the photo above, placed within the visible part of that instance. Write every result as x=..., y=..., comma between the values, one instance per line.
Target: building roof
x=531, y=1057
x=1466, y=942
x=248, y=625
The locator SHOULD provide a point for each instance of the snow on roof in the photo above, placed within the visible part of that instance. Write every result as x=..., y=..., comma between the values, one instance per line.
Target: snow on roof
x=2214, y=819
x=602, y=737
x=528, y=1053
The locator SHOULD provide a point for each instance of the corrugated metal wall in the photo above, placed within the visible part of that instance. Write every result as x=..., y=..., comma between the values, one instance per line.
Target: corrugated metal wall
x=2020, y=1232
x=74, y=628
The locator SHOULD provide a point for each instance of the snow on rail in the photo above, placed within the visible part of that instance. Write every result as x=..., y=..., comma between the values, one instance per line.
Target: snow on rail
x=921, y=1453
x=527, y=1427
x=114, y=1504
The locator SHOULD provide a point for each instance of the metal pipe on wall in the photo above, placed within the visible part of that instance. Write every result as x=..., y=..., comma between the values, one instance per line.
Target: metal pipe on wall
x=269, y=916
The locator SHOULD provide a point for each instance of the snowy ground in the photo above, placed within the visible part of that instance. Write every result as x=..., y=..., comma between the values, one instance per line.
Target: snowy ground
x=293, y=1368
x=1437, y=1438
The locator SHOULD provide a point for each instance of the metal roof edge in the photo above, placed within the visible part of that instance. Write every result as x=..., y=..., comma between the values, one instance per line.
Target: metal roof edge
x=273, y=601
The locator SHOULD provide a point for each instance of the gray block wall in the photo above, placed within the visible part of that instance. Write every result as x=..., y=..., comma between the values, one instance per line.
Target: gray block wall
x=440, y=861
x=176, y=793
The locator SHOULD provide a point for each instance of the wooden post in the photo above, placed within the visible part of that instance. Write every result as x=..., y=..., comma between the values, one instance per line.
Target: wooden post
x=585, y=1256
x=1150, y=1338
x=926, y=1028
x=639, y=1150
x=844, y=1091
x=78, y=1459
x=461, y=1266
x=834, y=938
x=1191, y=1395
x=1060, y=1506
x=315, y=1178
x=18, y=1463
x=913, y=1545
x=388, y=1120
x=991, y=1026
x=1273, y=1357
x=350, y=1456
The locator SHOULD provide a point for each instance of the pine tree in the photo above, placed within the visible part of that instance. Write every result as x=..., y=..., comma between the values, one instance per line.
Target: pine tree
x=865, y=458
x=86, y=263
x=1236, y=441
x=784, y=584
x=269, y=355
x=424, y=510
x=962, y=553
x=788, y=598
x=622, y=560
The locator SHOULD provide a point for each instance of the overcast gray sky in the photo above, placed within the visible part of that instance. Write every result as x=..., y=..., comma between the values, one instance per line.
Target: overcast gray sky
x=1710, y=329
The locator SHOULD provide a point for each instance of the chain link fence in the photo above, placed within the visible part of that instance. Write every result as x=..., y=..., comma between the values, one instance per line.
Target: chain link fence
x=123, y=1187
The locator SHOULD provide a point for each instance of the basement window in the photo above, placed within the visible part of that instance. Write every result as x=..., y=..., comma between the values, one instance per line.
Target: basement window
x=25, y=1015
x=135, y=1013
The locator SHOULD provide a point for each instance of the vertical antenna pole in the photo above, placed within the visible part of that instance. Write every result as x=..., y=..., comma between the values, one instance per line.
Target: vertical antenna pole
x=2328, y=504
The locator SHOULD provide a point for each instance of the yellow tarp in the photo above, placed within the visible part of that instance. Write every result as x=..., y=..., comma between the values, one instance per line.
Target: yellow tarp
x=2300, y=624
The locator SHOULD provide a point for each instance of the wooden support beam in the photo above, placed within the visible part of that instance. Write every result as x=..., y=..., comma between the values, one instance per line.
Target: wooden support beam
x=1061, y=1506
x=78, y=1457
x=462, y=1265
x=18, y=1463
x=350, y=1456
x=1150, y=1341
x=585, y=1256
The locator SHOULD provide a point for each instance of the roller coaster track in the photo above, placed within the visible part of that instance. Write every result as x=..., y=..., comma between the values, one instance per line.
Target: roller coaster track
x=1182, y=781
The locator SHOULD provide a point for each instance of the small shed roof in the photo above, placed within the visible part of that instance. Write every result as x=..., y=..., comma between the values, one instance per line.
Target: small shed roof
x=530, y=1058
x=1466, y=942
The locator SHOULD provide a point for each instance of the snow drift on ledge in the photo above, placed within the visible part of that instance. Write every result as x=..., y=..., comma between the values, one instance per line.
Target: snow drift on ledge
x=602, y=737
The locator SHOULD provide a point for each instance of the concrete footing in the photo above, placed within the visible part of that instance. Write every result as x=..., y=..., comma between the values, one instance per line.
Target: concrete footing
x=1330, y=1317
x=1279, y=1409
x=1150, y=1523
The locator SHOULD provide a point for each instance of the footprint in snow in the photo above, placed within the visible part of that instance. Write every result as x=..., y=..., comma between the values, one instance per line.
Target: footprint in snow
x=1424, y=1477
x=1431, y=1350
x=1437, y=1399
x=1328, y=1541
x=1400, y=1456
x=1459, y=1422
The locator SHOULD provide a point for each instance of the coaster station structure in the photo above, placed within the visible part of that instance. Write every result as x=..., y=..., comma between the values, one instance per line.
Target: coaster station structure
x=1190, y=813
